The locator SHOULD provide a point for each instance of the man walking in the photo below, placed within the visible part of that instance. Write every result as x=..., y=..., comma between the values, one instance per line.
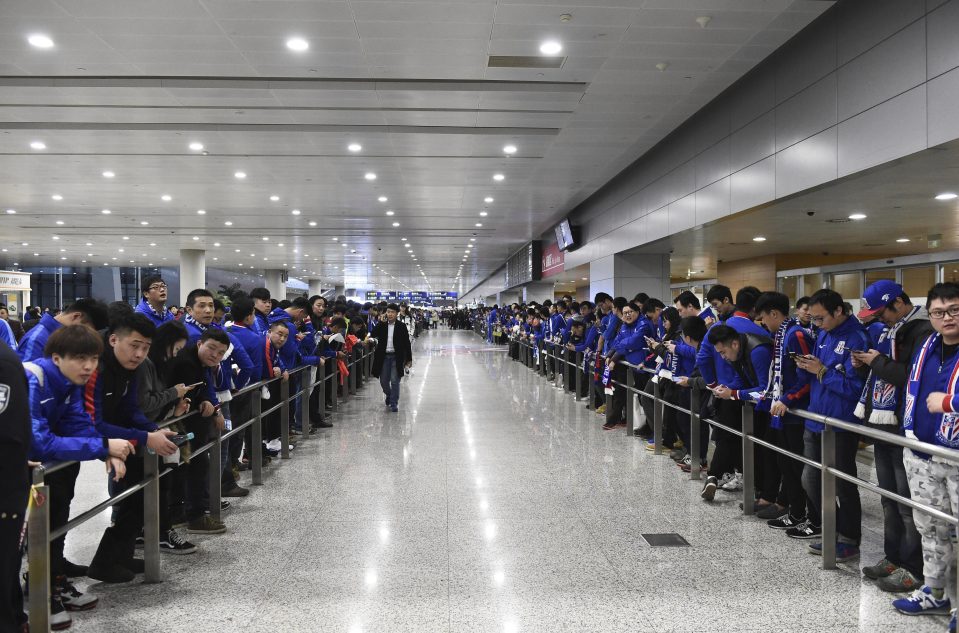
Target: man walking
x=393, y=355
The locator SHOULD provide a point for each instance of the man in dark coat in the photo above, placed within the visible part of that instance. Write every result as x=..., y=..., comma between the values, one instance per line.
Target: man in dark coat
x=393, y=355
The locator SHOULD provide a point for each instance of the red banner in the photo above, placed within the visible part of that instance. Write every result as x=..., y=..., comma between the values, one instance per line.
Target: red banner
x=553, y=259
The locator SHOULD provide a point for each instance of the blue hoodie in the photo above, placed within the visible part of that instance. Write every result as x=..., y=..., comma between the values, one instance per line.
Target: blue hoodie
x=629, y=343
x=254, y=344
x=838, y=393
x=158, y=318
x=238, y=356
x=62, y=429
x=32, y=344
x=926, y=426
x=712, y=367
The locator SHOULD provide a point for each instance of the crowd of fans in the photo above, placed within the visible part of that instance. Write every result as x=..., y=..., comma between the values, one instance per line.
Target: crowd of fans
x=893, y=366
x=101, y=380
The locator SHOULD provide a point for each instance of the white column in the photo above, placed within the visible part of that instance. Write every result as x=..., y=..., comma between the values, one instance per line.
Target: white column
x=273, y=281
x=628, y=275
x=316, y=287
x=192, y=272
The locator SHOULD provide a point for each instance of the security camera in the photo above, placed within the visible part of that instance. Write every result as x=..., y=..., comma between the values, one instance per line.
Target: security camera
x=810, y=213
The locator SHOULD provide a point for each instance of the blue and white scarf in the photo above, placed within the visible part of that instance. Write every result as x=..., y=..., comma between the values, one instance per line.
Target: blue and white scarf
x=189, y=320
x=948, y=434
x=884, y=395
x=774, y=390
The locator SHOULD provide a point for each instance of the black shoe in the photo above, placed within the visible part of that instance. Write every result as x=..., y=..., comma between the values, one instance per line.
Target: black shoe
x=110, y=573
x=72, y=570
x=324, y=425
x=136, y=565
x=235, y=491
x=804, y=530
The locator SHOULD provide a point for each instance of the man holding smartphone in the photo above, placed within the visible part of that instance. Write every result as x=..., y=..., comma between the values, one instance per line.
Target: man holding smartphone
x=882, y=403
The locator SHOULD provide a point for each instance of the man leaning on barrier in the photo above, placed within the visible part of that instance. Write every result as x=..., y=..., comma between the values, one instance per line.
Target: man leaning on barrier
x=63, y=431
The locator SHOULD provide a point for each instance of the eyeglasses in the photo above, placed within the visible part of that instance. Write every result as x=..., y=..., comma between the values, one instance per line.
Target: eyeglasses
x=952, y=311
x=628, y=313
x=157, y=287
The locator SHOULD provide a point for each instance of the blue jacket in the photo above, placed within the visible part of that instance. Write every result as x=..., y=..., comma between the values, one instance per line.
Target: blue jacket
x=647, y=328
x=838, y=393
x=760, y=358
x=630, y=344
x=7, y=336
x=686, y=356
x=62, y=429
x=254, y=344
x=796, y=382
x=261, y=323
x=926, y=426
x=712, y=367
x=158, y=318
x=32, y=344
x=238, y=356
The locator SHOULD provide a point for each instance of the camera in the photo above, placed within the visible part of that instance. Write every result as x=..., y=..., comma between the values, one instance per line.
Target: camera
x=810, y=213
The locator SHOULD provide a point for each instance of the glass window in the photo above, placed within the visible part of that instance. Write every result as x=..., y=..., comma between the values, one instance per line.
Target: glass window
x=950, y=272
x=811, y=283
x=917, y=281
x=789, y=286
x=847, y=284
x=872, y=276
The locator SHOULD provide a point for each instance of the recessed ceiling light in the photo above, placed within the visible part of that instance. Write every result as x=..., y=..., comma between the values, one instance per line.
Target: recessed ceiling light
x=275, y=198
x=382, y=198
x=144, y=223
x=11, y=211
x=295, y=212
x=38, y=145
x=483, y=214
x=60, y=222
x=903, y=240
x=201, y=211
x=108, y=174
x=166, y=197
x=509, y=149
x=336, y=239
x=297, y=44
x=389, y=213
x=550, y=47
x=402, y=239
x=396, y=224
x=499, y=177
x=228, y=223
x=240, y=175
x=759, y=238
x=56, y=237
x=91, y=244
x=354, y=147
x=472, y=239
x=151, y=244
x=40, y=41
x=265, y=238
x=106, y=211
x=126, y=237
x=857, y=216
x=57, y=197
x=216, y=243
x=312, y=222
x=369, y=176
x=196, y=147
x=947, y=196
x=479, y=224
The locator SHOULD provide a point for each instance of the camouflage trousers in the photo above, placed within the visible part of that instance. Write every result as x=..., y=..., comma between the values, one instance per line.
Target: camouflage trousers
x=935, y=484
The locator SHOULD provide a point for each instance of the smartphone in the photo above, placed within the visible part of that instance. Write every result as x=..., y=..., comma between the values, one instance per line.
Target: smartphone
x=794, y=355
x=181, y=439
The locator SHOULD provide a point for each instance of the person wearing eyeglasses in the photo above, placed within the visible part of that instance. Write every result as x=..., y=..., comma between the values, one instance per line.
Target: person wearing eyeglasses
x=930, y=416
x=629, y=345
x=153, y=304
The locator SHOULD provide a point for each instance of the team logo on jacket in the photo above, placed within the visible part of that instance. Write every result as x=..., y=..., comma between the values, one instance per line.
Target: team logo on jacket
x=948, y=433
x=4, y=397
x=841, y=347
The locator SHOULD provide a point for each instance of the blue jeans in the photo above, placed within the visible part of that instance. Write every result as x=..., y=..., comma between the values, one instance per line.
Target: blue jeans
x=390, y=379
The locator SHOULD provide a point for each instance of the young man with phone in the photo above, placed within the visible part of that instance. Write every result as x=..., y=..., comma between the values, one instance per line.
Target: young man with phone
x=885, y=367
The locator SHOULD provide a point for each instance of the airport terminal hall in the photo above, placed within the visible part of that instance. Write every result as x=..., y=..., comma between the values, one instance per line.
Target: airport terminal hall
x=479, y=316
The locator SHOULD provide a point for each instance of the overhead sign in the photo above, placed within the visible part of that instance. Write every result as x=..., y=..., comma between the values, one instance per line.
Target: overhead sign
x=525, y=265
x=416, y=296
x=553, y=259
x=14, y=281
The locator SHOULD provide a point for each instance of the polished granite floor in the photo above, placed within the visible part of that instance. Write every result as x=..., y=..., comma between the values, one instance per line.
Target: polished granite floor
x=492, y=503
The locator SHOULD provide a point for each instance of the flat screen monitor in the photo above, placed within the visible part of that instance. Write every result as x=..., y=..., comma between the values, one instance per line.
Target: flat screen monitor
x=564, y=235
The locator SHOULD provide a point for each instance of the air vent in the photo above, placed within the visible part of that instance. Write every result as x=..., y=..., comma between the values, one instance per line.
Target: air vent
x=520, y=61
x=838, y=220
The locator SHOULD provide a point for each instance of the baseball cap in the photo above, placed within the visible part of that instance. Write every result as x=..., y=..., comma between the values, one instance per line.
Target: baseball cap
x=877, y=296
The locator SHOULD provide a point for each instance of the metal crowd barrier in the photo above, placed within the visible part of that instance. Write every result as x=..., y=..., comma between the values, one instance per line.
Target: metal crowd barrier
x=39, y=535
x=830, y=473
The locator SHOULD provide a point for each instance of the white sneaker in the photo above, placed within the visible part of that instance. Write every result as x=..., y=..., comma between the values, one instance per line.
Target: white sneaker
x=71, y=598
x=274, y=445
x=725, y=479
x=734, y=484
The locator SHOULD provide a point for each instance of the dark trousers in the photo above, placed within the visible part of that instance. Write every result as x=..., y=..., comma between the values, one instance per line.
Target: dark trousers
x=241, y=410
x=768, y=476
x=849, y=514
x=620, y=398
x=683, y=424
x=901, y=542
x=792, y=494
x=728, y=455
x=61, y=486
x=119, y=540
x=198, y=470
x=316, y=407
x=271, y=423
x=11, y=596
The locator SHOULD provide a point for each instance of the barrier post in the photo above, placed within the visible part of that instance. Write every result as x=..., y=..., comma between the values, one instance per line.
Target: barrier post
x=216, y=474
x=335, y=384
x=256, y=451
x=694, y=422
x=558, y=368
x=285, y=419
x=579, y=377
x=38, y=561
x=307, y=386
x=630, y=401
x=567, y=367
x=151, y=518
x=749, y=466
x=321, y=385
x=657, y=418
x=828, y=498
x=351, y=377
